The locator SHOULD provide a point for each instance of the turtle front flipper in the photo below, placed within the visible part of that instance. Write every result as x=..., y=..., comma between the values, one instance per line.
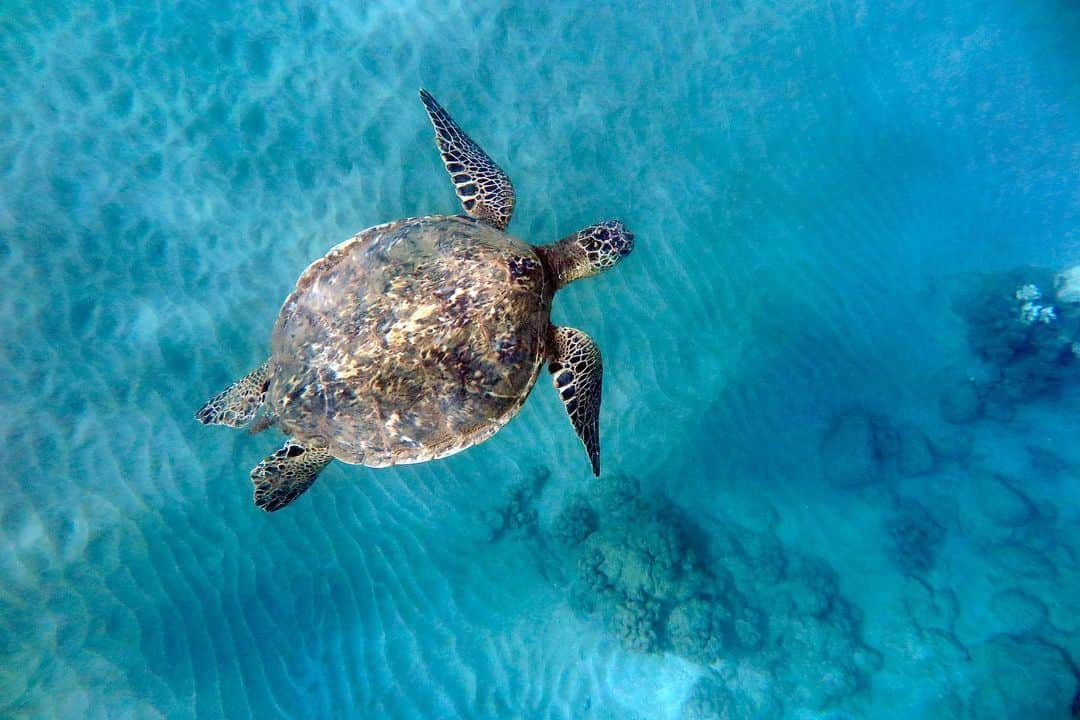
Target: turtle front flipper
x=577, y=372
x=287, y=473
x=237, y=404
x=484, y=189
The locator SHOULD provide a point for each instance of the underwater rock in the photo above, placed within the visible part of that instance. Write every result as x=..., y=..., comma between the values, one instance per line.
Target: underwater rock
x=953, y=445
x=915, y=456
x=1064, y=607
x=959, y=404
x=914, y=537
x=1027, y=679
x=1045, y=462
x=1018, y=611
x=848, y=450
x=1013, y=559
x=932, y=608
x=816, y=585
x=999, y=400
x=1067, y=285
x=886, y=439
x=1001, y=502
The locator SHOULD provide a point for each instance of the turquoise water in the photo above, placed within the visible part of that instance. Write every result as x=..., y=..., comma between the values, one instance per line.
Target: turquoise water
x=828, y=492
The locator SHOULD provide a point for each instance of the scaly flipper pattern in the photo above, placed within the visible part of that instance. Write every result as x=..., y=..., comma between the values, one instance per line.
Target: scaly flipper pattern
x=287, y=473
x=237, y=404
x=577, y=371
x=485, y=190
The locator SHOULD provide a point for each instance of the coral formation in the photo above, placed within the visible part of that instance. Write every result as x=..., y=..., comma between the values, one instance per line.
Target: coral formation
x=575, y=522
x=518, y=514
x=701, y=629
x=715, y=697
x=1027, y=293
x=738, y=602
x=1026, y=339
x=1030, y=310
x=636, y=571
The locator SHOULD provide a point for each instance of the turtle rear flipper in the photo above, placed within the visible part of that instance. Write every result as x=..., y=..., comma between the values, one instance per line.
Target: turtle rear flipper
x=577, y=372
x=237, y=404
x=284, y=475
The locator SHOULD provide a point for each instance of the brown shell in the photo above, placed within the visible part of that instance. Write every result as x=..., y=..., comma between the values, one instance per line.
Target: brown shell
x=411, y=341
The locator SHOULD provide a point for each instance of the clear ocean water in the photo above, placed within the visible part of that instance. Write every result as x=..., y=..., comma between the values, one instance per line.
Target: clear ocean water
x=842, y=474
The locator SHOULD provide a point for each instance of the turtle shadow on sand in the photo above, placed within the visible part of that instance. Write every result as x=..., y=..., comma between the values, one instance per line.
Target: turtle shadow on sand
x=421, y=337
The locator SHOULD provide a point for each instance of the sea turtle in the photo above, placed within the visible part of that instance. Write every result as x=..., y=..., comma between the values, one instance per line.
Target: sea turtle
x=421, y=337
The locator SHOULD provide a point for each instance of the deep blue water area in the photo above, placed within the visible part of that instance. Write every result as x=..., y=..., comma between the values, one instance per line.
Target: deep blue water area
x=842, y=366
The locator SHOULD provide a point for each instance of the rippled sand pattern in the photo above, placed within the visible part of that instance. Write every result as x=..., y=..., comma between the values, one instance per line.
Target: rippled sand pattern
x=804, y=180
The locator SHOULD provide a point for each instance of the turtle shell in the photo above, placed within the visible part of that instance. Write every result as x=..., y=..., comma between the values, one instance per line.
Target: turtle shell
x=411, y=341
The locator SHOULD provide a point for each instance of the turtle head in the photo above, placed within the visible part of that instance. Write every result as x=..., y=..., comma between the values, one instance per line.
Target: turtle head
x=587, y=252
x=605, y=244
